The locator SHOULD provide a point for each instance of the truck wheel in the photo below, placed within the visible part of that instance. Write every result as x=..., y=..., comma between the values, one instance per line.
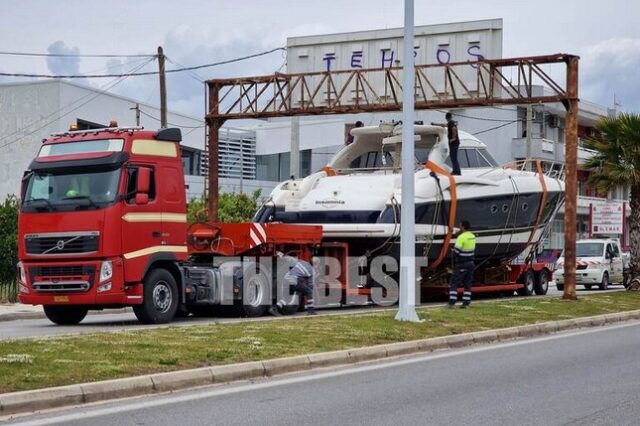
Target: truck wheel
x=529, y=282
x=587, y=286
x=65, y=315
x=604, y=285
x=159, y=300
x=256, y=294
x=542, y=283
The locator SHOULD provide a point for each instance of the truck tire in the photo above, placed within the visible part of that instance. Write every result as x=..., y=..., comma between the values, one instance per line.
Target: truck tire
x=256, y=294
x=529, y=281
x=604, y=284
x=159, y=299
x=542, y=283
x=65, y=315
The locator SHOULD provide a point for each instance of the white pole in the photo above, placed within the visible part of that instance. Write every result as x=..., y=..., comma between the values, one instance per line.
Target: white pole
x=407, y=309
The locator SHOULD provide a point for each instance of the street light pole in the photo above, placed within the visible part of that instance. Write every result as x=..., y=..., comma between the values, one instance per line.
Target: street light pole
x=407, y=309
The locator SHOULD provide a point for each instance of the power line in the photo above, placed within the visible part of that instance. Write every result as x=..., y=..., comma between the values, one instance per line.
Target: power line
x=73, y=55
x=172, y=124
x=135, y=74
x=494, y=128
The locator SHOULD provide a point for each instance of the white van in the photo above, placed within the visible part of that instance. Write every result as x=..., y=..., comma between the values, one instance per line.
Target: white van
x=598, y=262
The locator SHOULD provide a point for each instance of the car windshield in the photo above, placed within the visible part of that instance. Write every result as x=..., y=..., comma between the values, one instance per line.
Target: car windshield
x=65, y=190
x=589, y=249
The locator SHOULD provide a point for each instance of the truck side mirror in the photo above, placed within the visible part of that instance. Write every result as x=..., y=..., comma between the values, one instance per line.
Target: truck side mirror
x=142, y=199
x=144, y=180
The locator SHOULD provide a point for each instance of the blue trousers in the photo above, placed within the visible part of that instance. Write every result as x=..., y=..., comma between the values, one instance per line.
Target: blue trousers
x=462, y=276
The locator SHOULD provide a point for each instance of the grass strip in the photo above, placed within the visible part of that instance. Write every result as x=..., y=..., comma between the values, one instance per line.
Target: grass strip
x=45, y=362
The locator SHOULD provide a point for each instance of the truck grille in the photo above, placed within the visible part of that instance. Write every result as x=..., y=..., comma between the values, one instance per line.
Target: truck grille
x=65, y=278
x=62, y=243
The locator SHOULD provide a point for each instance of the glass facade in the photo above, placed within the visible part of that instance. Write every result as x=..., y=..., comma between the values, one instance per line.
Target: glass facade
x=275, y=167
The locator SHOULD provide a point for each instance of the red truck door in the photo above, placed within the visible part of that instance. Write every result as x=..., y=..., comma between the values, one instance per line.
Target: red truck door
x=141, y=223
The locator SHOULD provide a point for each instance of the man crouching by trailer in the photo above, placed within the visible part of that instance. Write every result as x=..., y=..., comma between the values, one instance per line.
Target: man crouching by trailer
x=300, y=279
x=463, y=254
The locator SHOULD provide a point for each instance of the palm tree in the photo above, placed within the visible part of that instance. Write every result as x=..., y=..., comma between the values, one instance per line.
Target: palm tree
x=617, y=162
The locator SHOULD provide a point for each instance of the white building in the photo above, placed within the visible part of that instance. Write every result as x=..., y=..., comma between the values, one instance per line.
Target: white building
x=31, y=111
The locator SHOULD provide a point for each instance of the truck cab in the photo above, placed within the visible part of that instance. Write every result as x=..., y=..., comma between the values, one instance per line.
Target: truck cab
x=101, y=209
x=598, y=262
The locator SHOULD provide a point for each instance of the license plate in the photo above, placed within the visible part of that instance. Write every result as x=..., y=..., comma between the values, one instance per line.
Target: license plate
x=60, y=299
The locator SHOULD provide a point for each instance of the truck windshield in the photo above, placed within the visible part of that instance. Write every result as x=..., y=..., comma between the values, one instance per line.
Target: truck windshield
x=589, y=249
x=64, y=190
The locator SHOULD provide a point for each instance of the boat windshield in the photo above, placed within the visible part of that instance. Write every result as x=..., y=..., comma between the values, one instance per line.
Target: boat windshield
x=474, y=158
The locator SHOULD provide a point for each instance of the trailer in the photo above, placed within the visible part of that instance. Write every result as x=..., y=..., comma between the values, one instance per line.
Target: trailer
x=103, y=225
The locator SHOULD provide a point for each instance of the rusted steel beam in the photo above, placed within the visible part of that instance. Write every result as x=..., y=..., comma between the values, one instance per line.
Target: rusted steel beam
x=213, y=145
x=390, y=106
x=544, y=59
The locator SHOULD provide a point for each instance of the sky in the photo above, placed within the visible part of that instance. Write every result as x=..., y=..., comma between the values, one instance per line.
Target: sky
x=605, y=33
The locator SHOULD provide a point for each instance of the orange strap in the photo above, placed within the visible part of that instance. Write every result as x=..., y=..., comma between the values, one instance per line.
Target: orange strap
x=330, y=171
x=452, y=210
x=543, y=201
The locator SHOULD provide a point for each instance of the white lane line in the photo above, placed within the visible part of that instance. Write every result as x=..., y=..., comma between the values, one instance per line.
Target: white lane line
x=158, y=400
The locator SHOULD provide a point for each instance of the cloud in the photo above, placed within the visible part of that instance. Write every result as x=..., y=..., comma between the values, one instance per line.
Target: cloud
x=63, y=64
x=611, y=67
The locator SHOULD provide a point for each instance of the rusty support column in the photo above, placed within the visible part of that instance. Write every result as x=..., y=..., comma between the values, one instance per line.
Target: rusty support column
x=213, y=145
x=571, y=181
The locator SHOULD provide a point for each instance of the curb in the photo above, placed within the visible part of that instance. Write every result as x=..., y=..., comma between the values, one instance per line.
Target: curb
x=16, y=316
x=34, y=400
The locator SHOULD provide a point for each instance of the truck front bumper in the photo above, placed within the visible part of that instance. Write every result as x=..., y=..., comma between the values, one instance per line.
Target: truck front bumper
x=76, y=283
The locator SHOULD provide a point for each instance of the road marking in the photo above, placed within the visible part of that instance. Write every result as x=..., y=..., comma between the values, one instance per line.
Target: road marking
x=159, y=399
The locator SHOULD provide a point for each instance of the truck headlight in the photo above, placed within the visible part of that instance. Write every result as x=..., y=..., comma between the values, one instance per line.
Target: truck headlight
x=22, y=274
x=106, y=270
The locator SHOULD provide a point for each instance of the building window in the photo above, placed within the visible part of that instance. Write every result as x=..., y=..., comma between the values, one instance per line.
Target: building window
x=191, y=161
x=276, y=167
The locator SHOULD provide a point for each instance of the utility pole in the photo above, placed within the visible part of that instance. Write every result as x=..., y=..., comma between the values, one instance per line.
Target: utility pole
x=294, y=159
x=163, y=88
x=407, y=302
x=137, y=110
x=529, y=126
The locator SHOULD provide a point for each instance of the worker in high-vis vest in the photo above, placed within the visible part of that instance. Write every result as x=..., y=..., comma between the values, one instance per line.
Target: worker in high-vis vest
x=463, y=254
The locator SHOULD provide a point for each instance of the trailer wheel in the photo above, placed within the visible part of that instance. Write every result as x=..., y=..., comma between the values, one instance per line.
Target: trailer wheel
x=159, y=300
x=529, y=281
x=560, y=287
x=65, y=315
x=604, y=285
x=587, y=286
x=542, y=283
x=256, y=293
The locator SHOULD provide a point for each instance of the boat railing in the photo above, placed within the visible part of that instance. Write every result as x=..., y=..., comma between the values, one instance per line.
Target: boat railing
x=552, y=169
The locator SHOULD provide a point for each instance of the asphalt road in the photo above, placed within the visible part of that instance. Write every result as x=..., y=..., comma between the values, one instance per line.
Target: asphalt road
x=20, y=329
x=584, y=377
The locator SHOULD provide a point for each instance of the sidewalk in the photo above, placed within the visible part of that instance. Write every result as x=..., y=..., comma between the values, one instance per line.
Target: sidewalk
x=18, y=311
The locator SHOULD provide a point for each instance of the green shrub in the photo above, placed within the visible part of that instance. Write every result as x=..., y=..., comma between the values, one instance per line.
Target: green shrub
x=8, y=239
x=232, y=207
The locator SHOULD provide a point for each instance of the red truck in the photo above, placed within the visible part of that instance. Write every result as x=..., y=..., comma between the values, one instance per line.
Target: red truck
x=103, y=224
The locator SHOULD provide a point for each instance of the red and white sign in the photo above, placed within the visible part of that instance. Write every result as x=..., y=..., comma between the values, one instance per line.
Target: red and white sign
x=607, y=218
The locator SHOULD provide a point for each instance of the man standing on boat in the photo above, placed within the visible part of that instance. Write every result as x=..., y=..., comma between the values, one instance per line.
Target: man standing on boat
x=454, y=142
x=463, y=254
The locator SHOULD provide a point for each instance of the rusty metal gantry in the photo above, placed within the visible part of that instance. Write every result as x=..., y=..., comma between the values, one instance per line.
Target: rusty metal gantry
x=453, y=85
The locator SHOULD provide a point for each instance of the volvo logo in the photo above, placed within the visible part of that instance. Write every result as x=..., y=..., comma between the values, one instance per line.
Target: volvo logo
x=60, y=245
